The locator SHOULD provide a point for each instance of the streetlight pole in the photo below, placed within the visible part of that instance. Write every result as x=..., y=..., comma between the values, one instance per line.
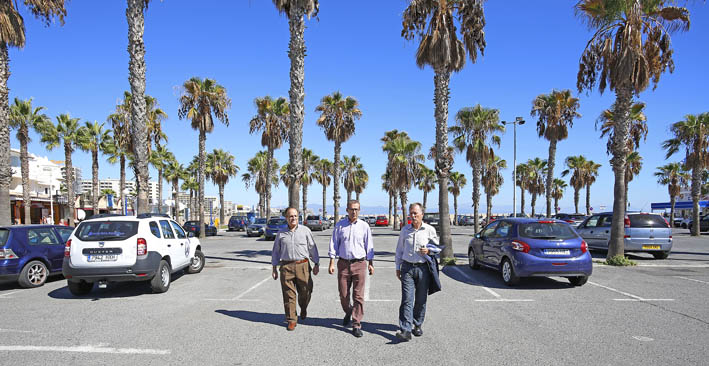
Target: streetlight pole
x=51, y=197
x=517, y=121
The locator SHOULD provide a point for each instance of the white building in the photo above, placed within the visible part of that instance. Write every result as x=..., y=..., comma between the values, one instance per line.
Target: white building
x=115, y=185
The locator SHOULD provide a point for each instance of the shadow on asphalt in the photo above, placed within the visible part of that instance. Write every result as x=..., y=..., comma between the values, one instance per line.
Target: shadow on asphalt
x=114, y=290
x=252, y=253
x=13, y=285
x=236, y=259
x=383, y=330
x=493, y=279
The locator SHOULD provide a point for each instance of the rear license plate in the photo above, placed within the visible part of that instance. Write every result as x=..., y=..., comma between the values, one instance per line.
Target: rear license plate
x=102, y=258
x=651, y=247
x=557, y=251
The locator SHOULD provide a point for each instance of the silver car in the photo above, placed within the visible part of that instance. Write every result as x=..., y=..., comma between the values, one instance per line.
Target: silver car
x=316, y=222
x=644, y=232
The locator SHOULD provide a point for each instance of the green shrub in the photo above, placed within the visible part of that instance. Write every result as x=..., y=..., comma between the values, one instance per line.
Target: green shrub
x=447, y=262
x=620, y=260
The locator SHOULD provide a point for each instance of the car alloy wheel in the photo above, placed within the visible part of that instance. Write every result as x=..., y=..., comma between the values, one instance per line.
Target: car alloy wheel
x=508, y=273
x=37, y=274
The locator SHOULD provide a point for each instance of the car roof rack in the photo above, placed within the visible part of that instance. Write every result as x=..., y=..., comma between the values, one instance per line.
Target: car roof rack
x=152, y=214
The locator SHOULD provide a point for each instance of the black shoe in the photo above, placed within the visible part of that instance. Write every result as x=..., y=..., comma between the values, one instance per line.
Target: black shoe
x=303, y=314
x=403, y=336
x=417, y=331
x=357, y=332
x=346, y=320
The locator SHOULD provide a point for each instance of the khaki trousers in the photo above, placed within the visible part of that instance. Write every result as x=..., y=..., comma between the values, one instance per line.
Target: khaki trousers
x=295, y=277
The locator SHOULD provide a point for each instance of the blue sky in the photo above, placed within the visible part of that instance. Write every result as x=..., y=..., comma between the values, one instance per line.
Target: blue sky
x=356, y=48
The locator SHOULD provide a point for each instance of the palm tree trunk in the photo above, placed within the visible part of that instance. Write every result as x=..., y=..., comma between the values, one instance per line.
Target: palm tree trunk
x=521, y=201
x=69, y=172
x=296, y=53
x=200, y=177
x=267, y=194
x=221, y=204
x=390, y=200
x=588, y=199
x=402, y=196
x=336, y=181
x=136, y=77
x=122, y=180
x=160, y=190
x=357, y=196
x=696, y=193
x=25, y=171
x=672, y=211
x=305, y=200
x=619, y=150
x=94, y=181
x=534, y=203
x=396, y=216
x=175, y=206
x=441, y=80
x=5, y=170
x=455, y=208
x=576, y=198
x=324, y=199
x=488, y=203
x=550, y=174
x=349, y=196
x=476, y=193
x=425, y=196
x=556, y=205
x=627, y=180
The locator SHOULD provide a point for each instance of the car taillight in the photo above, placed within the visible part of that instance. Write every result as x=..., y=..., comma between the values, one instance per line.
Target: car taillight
x=584, y=246
x=142, y=247
x=569, y=221
x=626, y=221
x=520, y=246
x=67, y=248
x=320, y=222
x=7, y=254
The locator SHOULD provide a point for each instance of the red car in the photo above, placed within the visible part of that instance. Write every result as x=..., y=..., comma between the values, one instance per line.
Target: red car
x=382, y=221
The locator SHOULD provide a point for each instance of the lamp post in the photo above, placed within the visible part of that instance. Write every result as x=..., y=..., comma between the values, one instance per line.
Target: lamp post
x=51, y=187
x=125, y=201
x=517, y=121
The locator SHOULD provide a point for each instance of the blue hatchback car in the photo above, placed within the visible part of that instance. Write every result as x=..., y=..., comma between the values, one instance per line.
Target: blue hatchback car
x=521, y=247
x=274, y=225
x=31, y=253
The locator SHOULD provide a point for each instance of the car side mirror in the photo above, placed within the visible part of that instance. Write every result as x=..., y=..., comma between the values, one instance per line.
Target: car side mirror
x=478, y=236
x=190, y=234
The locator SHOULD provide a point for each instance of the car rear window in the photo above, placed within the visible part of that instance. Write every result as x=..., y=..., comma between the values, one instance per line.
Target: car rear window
x=313, y=217
x=4, y=234
x=430, y=216
x=260, y=221
x=576, y=217
x=647, y=220
x=543, y=230
x=276, y=221
x=106, y=230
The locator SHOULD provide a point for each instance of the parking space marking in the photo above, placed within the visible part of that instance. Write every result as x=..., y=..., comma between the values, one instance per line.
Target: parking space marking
x=88, y=349
x=632, y=297
x=692, y=279
x=10, y=293
x=673, y=265
x=15, y=331
x=239, y=298
x=498, y=297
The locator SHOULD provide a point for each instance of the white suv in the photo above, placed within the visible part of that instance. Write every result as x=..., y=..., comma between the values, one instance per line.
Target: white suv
x=115, y=248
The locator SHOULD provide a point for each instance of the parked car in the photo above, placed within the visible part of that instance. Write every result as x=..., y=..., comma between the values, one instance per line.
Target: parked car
x=273, y=226
x=29, y=254
x=432, y=218
x=125, y=248
x=371, y=220
x=573, y=219
x=531, y=247
x=257, y=228
x=238, y=223
x=677, y=221
x=466, y=221
x=408, y=221
x=685, y=222
x=491, y=219
x=703, y=224
x=381, y=221
x=644, y=232
x=195, y=228
x=316, y=222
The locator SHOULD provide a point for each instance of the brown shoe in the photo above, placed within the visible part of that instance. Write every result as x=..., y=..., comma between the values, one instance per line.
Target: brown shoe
x=291, y=326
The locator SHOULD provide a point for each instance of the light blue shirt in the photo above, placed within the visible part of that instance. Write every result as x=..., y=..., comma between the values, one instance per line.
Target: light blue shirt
x=410, y=240
x=351, y=240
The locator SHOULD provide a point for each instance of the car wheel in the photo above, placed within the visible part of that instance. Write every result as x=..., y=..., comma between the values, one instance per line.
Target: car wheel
x=578, y=280
x=79, y=288
x=472, y=260
x=197, y=263
x=661, y=255
x=508, y=273
x=34, y=274
x=161, y=281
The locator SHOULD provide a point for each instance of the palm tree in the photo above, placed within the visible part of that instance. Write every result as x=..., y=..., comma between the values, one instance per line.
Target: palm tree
x=189, y=184
x=323, y=172
x=537, y=173
x=388, y=187
x=24, y=117
x=200, y=99
x=220, y=168
x=455, y=184
x=492, y=179
x=556, y=112
x=256, y=176
x=92, y=137
x=426, y=182
x=558, y=192
x=406, y=159
x=174, y=171
x=64, y=133
x=122, y=146
x=159, y=158
x=296, y=11
x=361, y=181
x=576, y=166
x=637, y=131
x=154, y=123
x=630, y=49
x=522, y=182
x=309, y=164
x=351, y=166
x=674, y=177
x=12, y=34
x=633, y=165
x=337, y=119
x=272, y=119
x=590, y=171
x=434, y=23
x=475, y=131
x=693, y=134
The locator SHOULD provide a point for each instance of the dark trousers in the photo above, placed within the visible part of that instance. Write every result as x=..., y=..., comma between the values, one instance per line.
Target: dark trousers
x=352, y=275
x=414, y=293
x=295, y=277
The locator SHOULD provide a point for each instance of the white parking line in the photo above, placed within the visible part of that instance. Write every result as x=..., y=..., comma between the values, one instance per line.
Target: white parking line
x=10, y=293
x=239, y=298
x=14, y=331
x=692, y=279
x=498, y=297
x=87, y=349
x=632, y=297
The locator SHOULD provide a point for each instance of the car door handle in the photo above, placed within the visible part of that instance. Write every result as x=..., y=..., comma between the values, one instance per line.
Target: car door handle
x=591, y=231
x=169, y=245
x=182, y=244
x=607, y=231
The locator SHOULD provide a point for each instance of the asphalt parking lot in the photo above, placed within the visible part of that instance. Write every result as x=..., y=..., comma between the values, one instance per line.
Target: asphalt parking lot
x=230, y=314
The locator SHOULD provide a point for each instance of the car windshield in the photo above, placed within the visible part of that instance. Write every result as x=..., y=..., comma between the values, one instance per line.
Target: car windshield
x=430, y=216
x=647, y=220
x=260, y=221
x=381, y=217
x=576, y=217
x=546, y=230
x=106, y=230
x=274, y=222
x=313, y=217
x=190, y=223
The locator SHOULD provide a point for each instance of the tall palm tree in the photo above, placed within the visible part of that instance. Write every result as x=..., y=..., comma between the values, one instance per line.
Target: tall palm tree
x=455, y=184
x=492, y=179
x=406, y=159
x=558, y=192
x=361, y=181
x=475, y=131
x=155, y=116
x=12, y=34
x=388, y=187
x=590, y=171
x=434, y=23
x=296, y=11
x=633, y=165
x=576, y=166
x=675, y=178
x=256, y=176
x=23, y=118
x=189, y=184
x=351, y=166
x=522, y=183
x=159, y=158
x=337, y=119
x=426, y=182
x=309, y=164
x=174, y=171
x=637, y=131
x=387, y=177
x=92, y=137
x=692, y=133
x=537, y=175
x=556, y=112
x=199, y=100
x=323, y=173
x=272, y=120
x=122, y=145
x=630, y=49
x=220, y=168
x=64, y=133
